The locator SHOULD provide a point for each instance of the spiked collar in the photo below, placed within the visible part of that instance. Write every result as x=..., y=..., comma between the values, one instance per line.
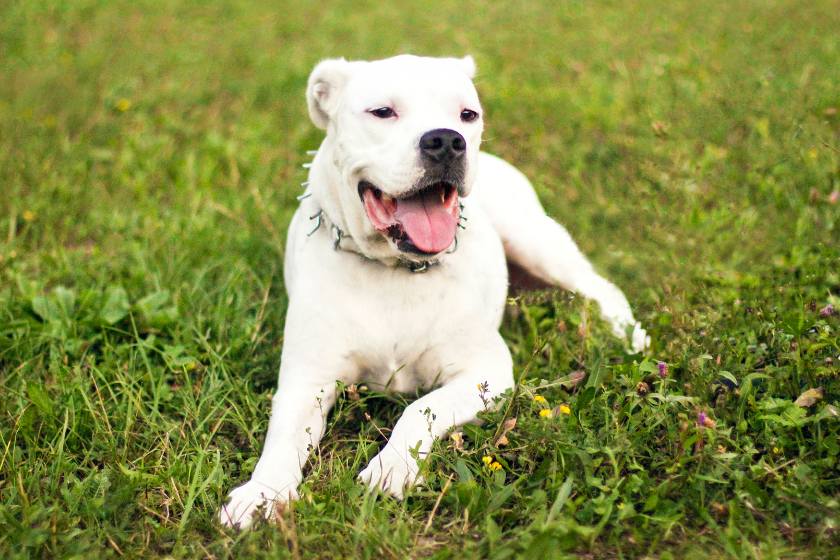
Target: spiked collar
x=345, y=242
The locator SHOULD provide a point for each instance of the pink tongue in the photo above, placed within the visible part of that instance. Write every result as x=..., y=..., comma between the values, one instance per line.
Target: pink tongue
x=426, y=222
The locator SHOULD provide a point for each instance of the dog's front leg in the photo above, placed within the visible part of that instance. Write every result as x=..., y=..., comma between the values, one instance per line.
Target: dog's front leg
x=458, y=401
x=298, y=417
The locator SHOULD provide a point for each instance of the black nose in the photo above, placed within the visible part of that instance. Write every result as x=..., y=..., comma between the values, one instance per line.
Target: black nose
x=442, y=144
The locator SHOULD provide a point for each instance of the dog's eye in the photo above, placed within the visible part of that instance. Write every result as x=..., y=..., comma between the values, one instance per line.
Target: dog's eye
x=383, y=113
x=468, y=116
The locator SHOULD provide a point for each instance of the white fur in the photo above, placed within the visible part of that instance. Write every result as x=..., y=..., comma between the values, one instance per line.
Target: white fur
x=356, y=315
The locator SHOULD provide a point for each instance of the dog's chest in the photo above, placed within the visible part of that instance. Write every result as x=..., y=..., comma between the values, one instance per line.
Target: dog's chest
x=395, y=332
x=395, y=328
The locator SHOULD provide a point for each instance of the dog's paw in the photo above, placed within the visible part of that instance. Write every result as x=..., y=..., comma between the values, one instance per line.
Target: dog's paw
x=253, y=498
x=391, y=472
x=639, y=339
x=634, y=334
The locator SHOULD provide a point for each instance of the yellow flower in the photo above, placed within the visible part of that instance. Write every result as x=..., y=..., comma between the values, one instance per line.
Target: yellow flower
x=29, y=215
x=495, y=465
x=776, y=450
x=487, y=459
x=546, y=413
x=565, y=409
x=813, y=154
x=123, y=105
x=539, y=398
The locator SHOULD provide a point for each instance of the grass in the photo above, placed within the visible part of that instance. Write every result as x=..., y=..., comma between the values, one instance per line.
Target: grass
x=150, y=154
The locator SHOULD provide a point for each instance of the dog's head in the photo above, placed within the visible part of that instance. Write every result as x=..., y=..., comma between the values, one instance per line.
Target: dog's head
x=402, y=142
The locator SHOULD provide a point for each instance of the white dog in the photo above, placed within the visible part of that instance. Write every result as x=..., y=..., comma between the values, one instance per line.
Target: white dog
x=396, y=276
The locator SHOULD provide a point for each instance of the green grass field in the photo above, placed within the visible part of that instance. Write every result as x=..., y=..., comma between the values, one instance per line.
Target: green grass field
x=150, y=155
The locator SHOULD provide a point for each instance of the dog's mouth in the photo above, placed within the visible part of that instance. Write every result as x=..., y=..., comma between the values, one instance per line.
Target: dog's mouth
x=424, y=222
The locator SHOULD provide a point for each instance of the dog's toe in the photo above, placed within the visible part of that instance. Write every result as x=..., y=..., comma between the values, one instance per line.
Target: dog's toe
x=391, y=472
x=250, y=499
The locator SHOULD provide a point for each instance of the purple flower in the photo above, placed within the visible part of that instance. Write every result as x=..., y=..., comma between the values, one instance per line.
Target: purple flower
x=663, y=369
x=704, y=421
x=827, y=311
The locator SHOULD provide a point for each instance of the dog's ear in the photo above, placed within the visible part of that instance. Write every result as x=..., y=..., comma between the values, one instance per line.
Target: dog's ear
x=325, y=87
x=467, y=64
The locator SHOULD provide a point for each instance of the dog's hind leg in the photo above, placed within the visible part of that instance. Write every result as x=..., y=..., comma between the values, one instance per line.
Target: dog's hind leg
x=543, y=248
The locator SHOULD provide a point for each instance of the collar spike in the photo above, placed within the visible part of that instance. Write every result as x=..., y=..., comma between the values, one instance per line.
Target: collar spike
x=319, y=216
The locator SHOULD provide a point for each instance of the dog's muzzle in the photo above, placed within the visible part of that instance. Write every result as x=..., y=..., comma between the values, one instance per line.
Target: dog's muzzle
x=425, y=220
